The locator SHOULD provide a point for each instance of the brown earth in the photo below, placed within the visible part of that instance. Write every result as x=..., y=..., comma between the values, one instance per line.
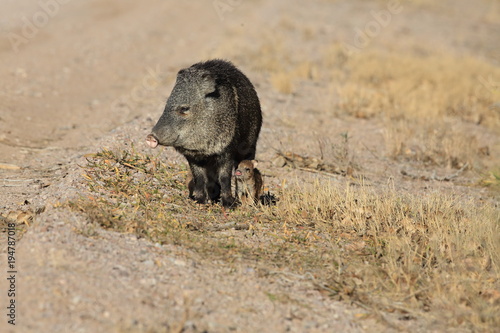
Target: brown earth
x=95, y=74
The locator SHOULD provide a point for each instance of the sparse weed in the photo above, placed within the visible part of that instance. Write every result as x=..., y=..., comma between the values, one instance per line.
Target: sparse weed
x=426, y=103
x=492, y=180
x=384, y=249
x=434, y=144
x=415, y=87
x=282, y=82
x=403, y=253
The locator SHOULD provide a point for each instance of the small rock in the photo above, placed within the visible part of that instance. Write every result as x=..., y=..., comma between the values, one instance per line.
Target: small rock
x=179, y=262
x=21, y=72
x=148, y=282
x=279, y=161
x=94, y=103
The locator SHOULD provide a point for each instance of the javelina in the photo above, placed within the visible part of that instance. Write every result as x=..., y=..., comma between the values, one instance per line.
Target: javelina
x=248, y=182
x=213, y=118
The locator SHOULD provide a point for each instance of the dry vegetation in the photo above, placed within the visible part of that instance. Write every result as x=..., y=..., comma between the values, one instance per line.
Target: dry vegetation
x=426, y=102
x=416, y=256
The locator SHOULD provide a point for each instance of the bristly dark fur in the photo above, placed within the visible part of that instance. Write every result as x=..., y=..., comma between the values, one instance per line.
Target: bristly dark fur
x=212, y=117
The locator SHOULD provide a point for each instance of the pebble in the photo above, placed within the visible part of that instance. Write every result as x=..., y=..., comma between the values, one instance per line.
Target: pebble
x=148, y=282
x=178, y=262
x=149, y=263
x=21, y=72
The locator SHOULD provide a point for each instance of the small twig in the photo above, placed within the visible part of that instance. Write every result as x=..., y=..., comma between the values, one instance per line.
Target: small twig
x=27, y=147
x=450, y=177
x=306, y=276
x=226, y=226
x=434, y=177
x=371, y=151
x=319, y=171
x=443, y=284
x=16, y=180
x=7, y=166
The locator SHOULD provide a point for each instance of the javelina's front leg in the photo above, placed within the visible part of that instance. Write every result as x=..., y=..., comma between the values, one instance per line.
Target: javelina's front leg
x=198, y=185
x=225, y=175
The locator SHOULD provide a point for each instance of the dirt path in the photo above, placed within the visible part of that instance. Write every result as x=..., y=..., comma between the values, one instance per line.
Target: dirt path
x=95, y=74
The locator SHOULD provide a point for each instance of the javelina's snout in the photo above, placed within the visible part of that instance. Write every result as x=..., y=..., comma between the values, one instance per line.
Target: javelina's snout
x=151, y=140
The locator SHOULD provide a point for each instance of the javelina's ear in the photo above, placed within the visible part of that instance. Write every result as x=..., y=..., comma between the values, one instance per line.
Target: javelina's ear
x=209, y=85
x=183, y=74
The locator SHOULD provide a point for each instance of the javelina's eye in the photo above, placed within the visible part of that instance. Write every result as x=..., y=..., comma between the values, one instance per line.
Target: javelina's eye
x=183, y=109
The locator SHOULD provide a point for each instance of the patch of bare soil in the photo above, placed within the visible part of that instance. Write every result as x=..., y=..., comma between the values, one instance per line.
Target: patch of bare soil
x=353, y=94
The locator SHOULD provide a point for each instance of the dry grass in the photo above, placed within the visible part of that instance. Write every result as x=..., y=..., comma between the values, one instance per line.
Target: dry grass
x=492, y=180
x=431, y=87
x=21, y=219
x=425, y=103
x=282, y=82
x=385, y=250
x=433, y=144
x=432, y=253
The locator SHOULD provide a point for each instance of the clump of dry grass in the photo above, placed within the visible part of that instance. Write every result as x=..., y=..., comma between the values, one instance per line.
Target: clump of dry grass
x=492, y=180
x=21, y=219
x=416, y=87
x=123, y=195
x=283, y=81
x=140, y=194
x=421, y=100
x=401, y=252
x=434, y=144
x=383, y=249
x=269, y=56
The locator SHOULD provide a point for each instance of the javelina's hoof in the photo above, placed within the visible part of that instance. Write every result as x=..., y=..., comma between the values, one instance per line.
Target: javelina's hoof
x=229, y=201
x=201, y=200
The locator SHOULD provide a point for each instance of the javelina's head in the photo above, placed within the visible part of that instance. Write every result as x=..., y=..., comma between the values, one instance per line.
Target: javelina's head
x=199, y=115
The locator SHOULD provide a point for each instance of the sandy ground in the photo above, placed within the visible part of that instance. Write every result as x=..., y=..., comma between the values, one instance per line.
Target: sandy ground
x=95, y=74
